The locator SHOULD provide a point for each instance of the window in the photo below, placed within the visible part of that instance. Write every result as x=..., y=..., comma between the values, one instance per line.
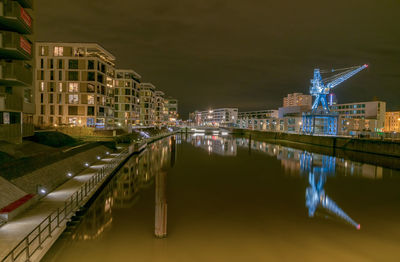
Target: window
x=51, y=110
x=51, y=98
x=60, y=87
x=41, y=98
x=42, y=50
x=73, y=110
x=41, y=86
x=91, y=99
x=90, y=76
x=91, y=64
x=79, y=51
x=100, y=78
x=73, y=64
x=41, y=63
x=90, y=88
x=127, y=107
x=73, y=87
x=42, y=107
x=41, y=75
x=51, y=86
x=90, y=111
x=60, y=75
x=127, y=92
x=60, y=110
x=51, y=63
x=73, y=75
x=73, y=99
x=58, y=51
x=60, y=64
x=51, y=75
x=59, y=98
x=116, y=106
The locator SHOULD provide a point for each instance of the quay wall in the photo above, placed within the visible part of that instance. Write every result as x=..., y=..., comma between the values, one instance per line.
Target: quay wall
x=381, y=147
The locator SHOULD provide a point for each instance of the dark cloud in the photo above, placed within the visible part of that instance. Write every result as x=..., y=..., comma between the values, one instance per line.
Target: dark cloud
x=246, y=54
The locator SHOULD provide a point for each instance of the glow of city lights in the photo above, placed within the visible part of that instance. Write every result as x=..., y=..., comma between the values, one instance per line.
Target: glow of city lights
x=69, y=174
x=107, y=153
x=98, y=157
x=86, y=164
x=224, y=133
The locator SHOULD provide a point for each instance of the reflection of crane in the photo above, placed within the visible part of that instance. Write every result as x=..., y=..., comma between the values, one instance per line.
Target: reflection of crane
x=318, y=168
x=321, y=87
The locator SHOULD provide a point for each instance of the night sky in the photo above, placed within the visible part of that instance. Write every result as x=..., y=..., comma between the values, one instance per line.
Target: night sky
x=245, y=54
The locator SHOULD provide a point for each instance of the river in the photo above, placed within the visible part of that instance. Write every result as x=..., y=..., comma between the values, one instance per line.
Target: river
x=217, y=198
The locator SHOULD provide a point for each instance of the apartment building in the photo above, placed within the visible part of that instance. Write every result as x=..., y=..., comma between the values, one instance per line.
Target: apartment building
x=74, y=85
x=159, y=107
x=147, y=104
x=16, y=70
x=265, y=120
x=170, y=111
x=224, y=117
x=297, y=99
x=361, y=116
x=126, y=98
x=392, y=122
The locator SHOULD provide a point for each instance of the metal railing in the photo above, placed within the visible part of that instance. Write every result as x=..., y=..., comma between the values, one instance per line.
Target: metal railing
x=31, y=243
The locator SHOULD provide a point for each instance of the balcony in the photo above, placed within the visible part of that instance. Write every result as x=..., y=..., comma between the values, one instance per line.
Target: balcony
x=10, y=103
x=14, y=46
x=15, y=18
x=15, y=73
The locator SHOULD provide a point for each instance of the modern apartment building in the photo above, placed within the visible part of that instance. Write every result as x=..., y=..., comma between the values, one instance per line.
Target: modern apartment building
x=74, y=85
x=361, y=116
x=126, y=98
x=170, y=111
x=16, y=70
x=159, y=107
x=392, y=122
x=147, y=104
x=216, y=117
x=265, y=120
x=297, y=99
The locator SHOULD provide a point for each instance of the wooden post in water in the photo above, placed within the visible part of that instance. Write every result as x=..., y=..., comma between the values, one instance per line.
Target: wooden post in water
x=160, y=227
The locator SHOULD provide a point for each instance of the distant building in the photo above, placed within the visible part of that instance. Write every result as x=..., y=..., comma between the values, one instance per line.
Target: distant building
x=74, y=85
x=392, y=122
x=171, y=111
x=361, y=116
x=126, y=98
x=147, y=104
x=216, y=117
x=297, y=99
x=265, y=120
x=159, y=107
x=17, y=104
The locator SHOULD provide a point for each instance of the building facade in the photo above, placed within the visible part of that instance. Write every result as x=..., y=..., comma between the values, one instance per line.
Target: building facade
x=126, y=98
x=74, y=85
x=171, y=111
x=265, y=120
x=297, y=99
x=16, y=70
x=147, y=104
x=224, y=117
x=392, y=122
x=159, y=108
x=361, y=116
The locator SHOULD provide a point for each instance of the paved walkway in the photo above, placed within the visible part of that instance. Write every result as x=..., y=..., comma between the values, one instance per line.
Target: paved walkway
x=19, y=227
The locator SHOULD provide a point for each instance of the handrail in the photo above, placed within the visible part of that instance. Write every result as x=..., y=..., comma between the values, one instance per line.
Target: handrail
x=34, y=240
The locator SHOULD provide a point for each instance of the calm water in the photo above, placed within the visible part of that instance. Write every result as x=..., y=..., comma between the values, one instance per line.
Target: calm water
x=219, y=199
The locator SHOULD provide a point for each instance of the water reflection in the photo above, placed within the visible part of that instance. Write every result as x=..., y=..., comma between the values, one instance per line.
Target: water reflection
x=220, y=145
x=124, y=189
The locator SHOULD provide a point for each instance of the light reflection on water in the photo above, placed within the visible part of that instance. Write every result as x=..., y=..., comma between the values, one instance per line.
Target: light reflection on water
x=241, y=200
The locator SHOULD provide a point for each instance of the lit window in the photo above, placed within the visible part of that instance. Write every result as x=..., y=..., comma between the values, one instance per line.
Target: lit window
x=73, y=99
x=60, y=87
x=41, y=86
x=91, y=99
x=58, y=51
x=73, y=87
x=42, y=50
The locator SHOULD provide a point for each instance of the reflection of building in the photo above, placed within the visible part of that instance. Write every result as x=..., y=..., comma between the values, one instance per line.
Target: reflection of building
x=160, y=221
x=392, y=121
x=17, y=104
x=74, y=85
x=216, y=117
x=214, y=144
x=126, y=107
x=361, y=116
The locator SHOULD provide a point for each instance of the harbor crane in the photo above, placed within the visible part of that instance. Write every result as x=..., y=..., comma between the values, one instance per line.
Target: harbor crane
x=320, y=87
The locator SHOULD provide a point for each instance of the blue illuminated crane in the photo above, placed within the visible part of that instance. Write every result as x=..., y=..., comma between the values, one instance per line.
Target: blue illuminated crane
x=321, y=87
